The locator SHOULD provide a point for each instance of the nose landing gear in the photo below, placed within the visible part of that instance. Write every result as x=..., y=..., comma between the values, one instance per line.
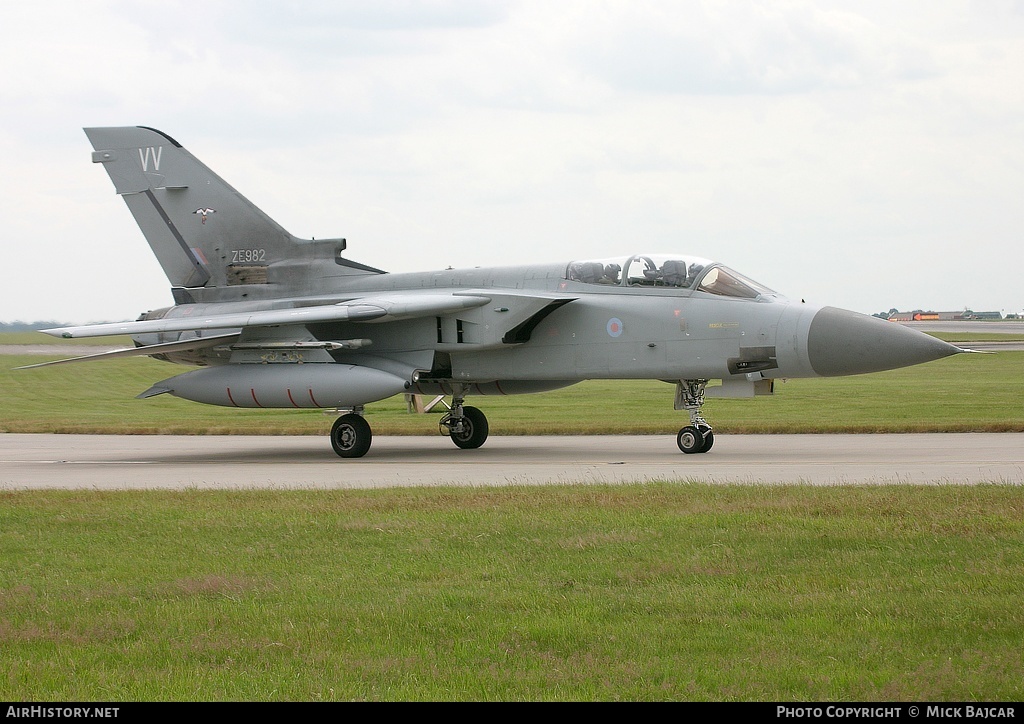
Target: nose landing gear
x=697, y=437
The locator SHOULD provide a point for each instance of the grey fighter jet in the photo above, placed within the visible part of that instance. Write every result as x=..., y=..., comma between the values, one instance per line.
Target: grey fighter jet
x=271, y=320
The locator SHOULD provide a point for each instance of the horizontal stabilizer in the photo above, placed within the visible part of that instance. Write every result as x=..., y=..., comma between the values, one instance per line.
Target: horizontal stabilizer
x=365, y=309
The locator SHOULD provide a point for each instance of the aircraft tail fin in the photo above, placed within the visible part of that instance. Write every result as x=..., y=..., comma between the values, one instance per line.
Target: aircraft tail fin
x=209, y=239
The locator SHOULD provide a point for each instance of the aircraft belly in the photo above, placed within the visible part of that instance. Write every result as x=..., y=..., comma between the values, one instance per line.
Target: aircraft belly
x=621, y=360
x=702, y=359
x=495, y=387
x=524, y=362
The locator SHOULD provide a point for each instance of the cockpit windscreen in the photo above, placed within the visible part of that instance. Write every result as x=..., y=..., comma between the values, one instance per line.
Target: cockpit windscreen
x=666, y=270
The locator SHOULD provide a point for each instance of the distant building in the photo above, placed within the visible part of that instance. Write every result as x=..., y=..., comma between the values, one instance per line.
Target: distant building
x=913, y=316
x=964, y=315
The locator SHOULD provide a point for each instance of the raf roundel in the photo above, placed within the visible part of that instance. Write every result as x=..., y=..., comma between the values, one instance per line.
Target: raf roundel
x=614, y=327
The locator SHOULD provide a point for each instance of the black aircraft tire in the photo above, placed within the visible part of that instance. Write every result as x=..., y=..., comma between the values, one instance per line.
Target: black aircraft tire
x=351, y=436
x=709, y=440
x=690, y=440
x=474, y=429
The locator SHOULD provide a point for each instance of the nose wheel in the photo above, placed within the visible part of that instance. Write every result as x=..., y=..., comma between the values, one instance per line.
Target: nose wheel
x=697, y=437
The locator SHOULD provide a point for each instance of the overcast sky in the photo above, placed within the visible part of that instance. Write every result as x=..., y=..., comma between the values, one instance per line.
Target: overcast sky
x=861, y=154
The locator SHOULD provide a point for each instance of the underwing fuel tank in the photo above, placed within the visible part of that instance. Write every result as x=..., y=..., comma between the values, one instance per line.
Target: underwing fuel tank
x=282, y=385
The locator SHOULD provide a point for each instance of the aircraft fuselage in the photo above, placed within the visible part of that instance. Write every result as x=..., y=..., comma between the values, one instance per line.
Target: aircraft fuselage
x=273, y=320
x=585, y=331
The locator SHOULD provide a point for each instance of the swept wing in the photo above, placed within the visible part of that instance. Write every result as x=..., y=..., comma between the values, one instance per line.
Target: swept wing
x=375, y=308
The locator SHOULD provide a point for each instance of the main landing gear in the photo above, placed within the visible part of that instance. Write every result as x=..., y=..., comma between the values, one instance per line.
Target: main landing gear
x=466, y=426
x=351, y=435
x=697, y=437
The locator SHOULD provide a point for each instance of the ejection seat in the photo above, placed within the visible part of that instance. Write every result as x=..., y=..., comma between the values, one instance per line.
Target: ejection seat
x=673, y=273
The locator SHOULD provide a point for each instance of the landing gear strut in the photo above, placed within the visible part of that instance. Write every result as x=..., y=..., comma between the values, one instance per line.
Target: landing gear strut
x=697, y=437
x=467, y=426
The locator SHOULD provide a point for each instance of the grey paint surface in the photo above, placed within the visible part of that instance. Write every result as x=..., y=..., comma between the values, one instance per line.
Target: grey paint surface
x=226, y=462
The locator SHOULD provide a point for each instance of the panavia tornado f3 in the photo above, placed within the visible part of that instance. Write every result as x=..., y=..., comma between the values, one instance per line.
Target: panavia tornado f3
x=272, y=320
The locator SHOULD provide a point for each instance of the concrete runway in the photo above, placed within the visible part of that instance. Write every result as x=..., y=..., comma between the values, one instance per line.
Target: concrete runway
x=108, y=462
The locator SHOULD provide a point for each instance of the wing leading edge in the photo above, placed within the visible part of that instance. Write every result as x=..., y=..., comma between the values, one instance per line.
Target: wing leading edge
x=147, y=350
x=377, y=308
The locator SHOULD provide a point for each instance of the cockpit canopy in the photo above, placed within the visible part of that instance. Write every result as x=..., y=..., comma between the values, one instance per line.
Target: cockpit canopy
x=666, y=270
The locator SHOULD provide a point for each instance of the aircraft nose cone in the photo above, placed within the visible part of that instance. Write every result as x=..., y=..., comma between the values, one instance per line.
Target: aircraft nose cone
x=840, y=342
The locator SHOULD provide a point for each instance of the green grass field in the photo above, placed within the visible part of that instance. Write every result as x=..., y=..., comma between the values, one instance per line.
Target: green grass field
x=667, y=591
